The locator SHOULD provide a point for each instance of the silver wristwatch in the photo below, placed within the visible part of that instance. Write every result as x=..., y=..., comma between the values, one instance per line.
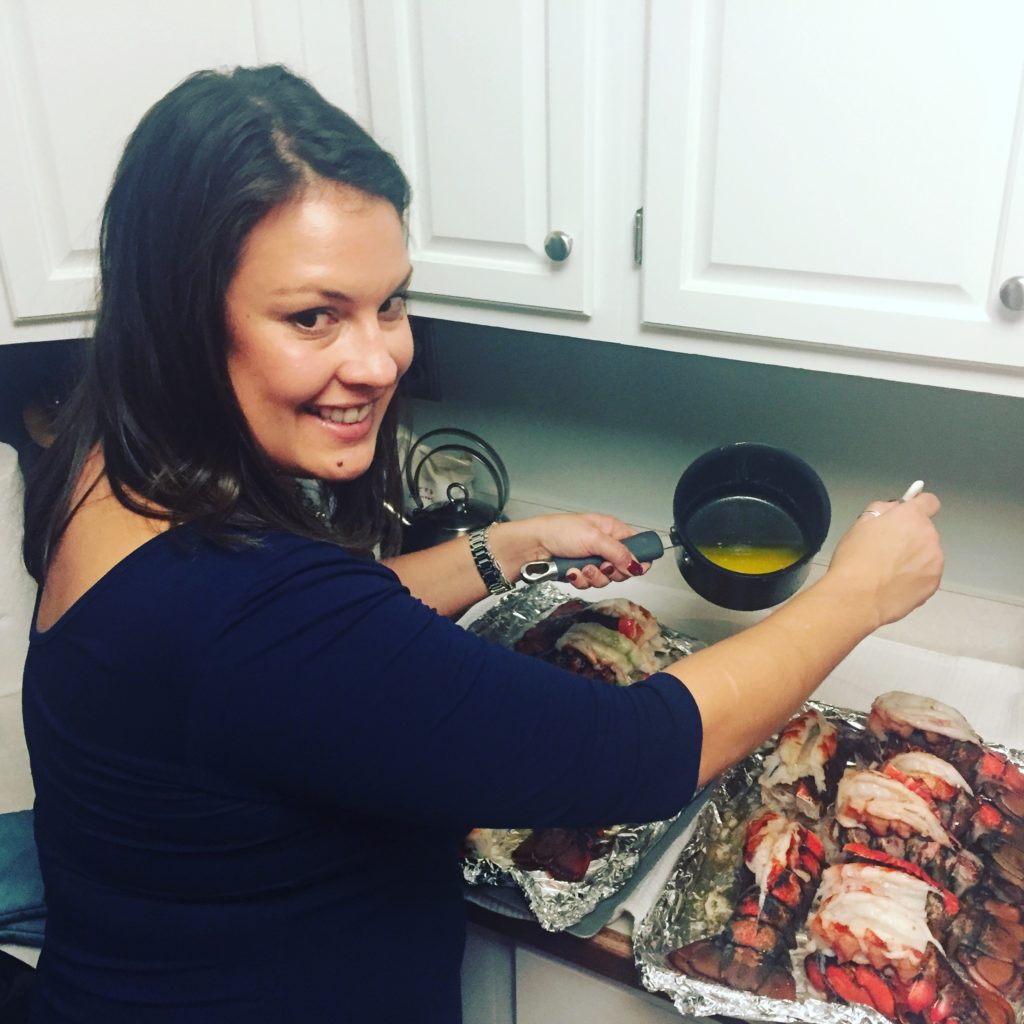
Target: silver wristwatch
x=490, y=572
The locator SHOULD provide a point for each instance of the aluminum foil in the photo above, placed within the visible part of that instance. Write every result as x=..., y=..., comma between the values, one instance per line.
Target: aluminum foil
x=556, y=904
x=698, y=898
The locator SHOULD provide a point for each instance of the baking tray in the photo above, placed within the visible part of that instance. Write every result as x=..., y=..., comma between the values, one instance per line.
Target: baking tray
x=696, y=901
x=583, y=907
x=510, y=900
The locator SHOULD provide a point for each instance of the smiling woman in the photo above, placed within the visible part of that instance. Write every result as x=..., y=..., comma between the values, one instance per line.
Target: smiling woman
x=249, y=735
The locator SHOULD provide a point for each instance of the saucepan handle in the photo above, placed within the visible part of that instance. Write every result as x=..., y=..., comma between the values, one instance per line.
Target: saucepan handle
x=646, y=546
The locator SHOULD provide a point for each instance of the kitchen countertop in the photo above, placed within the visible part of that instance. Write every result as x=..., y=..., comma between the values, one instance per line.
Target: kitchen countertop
x=608, y=954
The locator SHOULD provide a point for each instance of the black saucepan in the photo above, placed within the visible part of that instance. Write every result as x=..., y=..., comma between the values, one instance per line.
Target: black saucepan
x=748, y=519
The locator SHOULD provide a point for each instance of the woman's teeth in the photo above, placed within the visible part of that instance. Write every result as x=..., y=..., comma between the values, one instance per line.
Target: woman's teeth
x=344, y=415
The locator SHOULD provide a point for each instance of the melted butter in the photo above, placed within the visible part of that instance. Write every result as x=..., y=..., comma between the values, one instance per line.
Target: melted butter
x=752, y=559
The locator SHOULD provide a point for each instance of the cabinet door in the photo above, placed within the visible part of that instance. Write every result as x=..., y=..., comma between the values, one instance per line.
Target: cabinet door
x=836, y=173
x=74, y=80
x=488, y=978
x=487, y=107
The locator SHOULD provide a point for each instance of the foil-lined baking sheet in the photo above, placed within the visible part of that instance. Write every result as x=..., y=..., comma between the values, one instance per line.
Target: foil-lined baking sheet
x=699, y=895
x=557, y=904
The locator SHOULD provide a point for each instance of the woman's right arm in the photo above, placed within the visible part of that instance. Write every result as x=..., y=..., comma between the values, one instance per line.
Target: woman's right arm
x=750, y=684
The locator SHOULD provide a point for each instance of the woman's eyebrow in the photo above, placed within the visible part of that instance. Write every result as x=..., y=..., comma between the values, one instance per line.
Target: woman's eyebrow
x=330, y=293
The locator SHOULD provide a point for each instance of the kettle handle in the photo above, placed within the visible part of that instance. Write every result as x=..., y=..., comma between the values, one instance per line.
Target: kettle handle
x=415, y=483
x=495, y=466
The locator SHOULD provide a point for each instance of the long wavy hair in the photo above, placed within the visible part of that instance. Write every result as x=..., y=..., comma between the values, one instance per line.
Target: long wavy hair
x=204, y=166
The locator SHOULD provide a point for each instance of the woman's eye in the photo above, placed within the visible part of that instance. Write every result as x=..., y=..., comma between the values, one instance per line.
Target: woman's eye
x=311, y=319
x=394, y=308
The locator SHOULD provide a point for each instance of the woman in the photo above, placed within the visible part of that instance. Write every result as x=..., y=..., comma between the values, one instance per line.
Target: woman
x=256, y=748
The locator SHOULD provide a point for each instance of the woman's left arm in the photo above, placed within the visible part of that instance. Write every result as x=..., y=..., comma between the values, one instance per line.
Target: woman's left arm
x=446, y=577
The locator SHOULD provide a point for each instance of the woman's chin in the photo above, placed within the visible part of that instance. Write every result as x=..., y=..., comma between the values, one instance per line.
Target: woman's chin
x=349, y=466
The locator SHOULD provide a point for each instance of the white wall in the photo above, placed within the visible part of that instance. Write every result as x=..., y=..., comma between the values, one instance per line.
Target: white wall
x=584, y=424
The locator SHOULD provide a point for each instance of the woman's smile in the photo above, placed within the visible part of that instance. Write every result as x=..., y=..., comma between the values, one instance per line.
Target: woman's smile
x=349, y=424
x=348, y=416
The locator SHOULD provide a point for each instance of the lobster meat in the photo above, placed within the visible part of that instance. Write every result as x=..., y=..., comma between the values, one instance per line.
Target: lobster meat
x=873, y=941
x=919, y=722
x=801, y=773
x=564, y=853
x=880, y=812
x=751, y=953
x=938, y=783
x=615, y=641
x=994, y=825
x=904, y=721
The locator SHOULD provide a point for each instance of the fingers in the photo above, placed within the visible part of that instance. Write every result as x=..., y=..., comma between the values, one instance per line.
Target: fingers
x=620, y=563
x=875, y=509
x=601, y=575
x=592, y=535
x=925, y=502
x=892, y=552
x=595, y=576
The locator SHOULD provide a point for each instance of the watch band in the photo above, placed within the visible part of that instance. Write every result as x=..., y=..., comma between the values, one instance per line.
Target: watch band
x=490, y=572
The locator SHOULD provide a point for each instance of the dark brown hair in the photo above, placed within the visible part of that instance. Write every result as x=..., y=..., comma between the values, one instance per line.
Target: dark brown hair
x=204, y=166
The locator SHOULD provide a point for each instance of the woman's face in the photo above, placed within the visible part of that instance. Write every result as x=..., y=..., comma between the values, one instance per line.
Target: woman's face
x=318, y=331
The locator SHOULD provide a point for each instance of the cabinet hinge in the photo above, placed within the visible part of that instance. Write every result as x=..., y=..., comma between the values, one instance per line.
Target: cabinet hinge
x=638, y=236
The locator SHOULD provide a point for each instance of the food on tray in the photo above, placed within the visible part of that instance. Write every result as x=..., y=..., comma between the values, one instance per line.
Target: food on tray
x=938, y=782
x=564, y=853
x=874, y=940
x=801, y=773
x=879, y=817
x=614, y=641
x=783, y=861
x=495, y=844
x=921, y=913
x=904, y=721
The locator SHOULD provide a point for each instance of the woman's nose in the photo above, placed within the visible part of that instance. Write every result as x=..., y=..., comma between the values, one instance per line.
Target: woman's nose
x=369, y=357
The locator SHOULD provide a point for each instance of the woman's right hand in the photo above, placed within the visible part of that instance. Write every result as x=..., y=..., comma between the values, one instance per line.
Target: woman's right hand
x=748, y=685
x=894, y=558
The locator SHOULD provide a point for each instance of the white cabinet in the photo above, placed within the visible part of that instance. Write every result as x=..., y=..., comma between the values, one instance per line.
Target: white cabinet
x=551, y=992
x=504, y=983
x=488, y=978
x=489, y=109
x=824, y=186
x=74, y=80
x=837, y=175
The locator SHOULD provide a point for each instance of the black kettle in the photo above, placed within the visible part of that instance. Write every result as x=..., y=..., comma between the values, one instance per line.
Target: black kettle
x=457, y=514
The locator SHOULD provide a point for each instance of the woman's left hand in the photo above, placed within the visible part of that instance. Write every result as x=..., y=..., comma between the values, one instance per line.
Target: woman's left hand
x=574, y=535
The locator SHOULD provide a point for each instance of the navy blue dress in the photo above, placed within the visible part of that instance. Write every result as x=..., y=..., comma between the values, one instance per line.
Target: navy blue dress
x=254, y=769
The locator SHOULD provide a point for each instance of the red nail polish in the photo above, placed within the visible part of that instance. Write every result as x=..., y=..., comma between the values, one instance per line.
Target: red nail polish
x=635, y=568
x=572, y=575
x=607, y=568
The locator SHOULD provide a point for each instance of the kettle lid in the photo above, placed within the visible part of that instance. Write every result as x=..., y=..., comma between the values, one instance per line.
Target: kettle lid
x=459, y=514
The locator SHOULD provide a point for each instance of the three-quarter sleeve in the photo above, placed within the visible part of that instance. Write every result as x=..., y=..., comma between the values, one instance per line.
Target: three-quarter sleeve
x=326, y=681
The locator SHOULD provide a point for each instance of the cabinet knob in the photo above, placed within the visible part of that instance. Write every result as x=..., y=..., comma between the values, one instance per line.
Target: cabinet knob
x=1011, y=293
x=558, y=245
